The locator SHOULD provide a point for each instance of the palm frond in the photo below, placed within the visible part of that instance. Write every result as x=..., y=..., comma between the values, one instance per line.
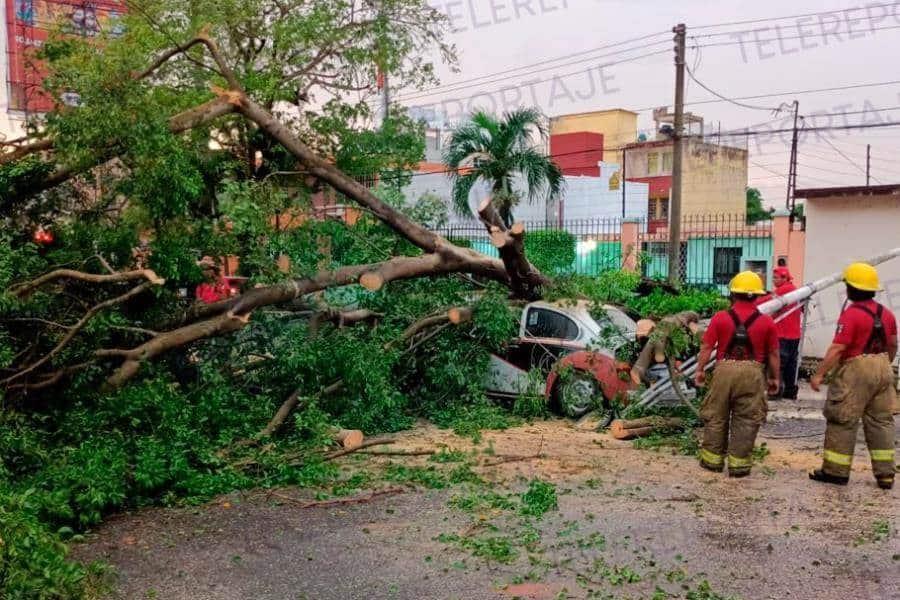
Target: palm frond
x=462, y=186
x=519, y=126
x=540, y=174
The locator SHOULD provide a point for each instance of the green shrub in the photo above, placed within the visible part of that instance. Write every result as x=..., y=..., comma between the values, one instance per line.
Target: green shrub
x=660, y=303
x=551, y=250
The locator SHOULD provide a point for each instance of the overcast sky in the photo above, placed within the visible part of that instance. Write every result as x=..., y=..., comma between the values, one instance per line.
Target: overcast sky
x=843, y=43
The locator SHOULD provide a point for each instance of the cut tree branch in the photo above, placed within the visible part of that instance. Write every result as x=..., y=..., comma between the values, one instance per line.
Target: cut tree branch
x=74, y=329
x=25, y=289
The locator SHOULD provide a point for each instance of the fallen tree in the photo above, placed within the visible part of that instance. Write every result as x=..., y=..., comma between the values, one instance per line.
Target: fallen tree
x=439, y=256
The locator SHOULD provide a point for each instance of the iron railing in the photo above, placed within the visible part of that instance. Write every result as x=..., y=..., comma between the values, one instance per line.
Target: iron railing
x=598, y=245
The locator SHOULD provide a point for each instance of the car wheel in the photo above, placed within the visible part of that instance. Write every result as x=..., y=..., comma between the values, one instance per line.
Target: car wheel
x=579, y=394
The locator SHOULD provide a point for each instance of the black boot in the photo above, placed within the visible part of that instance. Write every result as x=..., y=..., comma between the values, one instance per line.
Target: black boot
x=712, y=468
x=820, y=475
x=885, y=483
x=738, y=473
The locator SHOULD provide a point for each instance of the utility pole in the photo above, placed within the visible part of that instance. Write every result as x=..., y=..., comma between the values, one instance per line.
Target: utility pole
x=792, y=169
x=623, y=183
x=868, y=163
x=385, y=97
x=675, y=204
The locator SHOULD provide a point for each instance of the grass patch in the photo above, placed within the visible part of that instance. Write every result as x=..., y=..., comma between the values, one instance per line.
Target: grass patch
x=685, y=442
x=878, y=532
x=499, y=549
x=429, y=477
x=538, y=499
x=448, y=456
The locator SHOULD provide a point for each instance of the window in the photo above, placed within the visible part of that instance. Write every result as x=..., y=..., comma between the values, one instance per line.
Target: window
x=545, y=323
x=658, y=209
x=760, y=267
x=726, y=264
x=653, y=163
x=662, y=208
x=667, y=162
x=658, y=249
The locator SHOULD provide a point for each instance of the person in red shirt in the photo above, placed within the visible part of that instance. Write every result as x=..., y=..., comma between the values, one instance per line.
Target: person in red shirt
x=789, y=329
x=863, y=349
x=734, y=408
x=215, y=287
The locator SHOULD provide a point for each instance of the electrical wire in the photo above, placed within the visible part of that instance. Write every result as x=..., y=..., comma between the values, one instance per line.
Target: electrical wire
x=765, y=168
x=726, y=99
x=416, y=96
x=827, y=170
x=767, y=19
x=782, y=38
x=528, y=67
x=849, y=160
x=790, y=93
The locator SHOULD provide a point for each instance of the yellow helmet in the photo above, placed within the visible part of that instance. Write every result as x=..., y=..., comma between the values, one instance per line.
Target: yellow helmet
x=747, y=282
x=862, y=276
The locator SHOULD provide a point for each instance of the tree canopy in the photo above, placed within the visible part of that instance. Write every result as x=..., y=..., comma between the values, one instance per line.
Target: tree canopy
x=496, y=151
x=755, y=210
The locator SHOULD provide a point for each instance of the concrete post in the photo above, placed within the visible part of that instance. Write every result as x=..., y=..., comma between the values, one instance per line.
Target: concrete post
x=788, y=244
x=781, y=235
x=630, y=244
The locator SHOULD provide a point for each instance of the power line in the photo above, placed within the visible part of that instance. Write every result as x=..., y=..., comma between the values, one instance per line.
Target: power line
x=778, y=39
x=827, y=170
x=608, y=64
x=852, y=112
x=836, y=149
x=791, y=93
x=767, y=19
x=749, y=133
x=529, y=67
x=765, y=168
x=735, y=102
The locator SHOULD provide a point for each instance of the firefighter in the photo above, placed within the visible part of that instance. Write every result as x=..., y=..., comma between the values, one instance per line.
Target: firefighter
x=746, y=342
x=789, y=329
x=863, y=348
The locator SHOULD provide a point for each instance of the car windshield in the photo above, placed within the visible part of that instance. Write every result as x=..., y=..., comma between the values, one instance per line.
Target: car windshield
x=615, y=328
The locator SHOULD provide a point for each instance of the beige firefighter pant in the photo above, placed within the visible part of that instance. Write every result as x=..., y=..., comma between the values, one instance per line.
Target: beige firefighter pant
x=732, y=413
x=863, y=387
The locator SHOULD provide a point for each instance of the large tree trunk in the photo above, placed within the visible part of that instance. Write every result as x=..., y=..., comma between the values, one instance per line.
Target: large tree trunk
x=525, y=280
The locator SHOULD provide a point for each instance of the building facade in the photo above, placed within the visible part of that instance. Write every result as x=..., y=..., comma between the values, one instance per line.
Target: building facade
x=11, y=121
x=845, y=224
x=617, y=126
x=714, y=176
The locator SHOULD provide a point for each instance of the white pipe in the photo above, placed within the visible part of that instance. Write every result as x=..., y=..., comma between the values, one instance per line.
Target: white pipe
x=769, y=307
x=801, y=293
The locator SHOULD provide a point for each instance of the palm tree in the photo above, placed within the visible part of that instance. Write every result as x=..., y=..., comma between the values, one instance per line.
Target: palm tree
x=495, y=150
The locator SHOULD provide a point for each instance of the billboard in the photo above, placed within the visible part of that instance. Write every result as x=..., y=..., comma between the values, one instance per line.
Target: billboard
x=28, y=24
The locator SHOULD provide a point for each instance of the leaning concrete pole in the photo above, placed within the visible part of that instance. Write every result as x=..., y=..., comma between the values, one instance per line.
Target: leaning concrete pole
x=807, y=290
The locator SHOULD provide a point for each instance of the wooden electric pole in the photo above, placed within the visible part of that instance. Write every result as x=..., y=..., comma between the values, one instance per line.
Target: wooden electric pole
x=792, y=168
x=623, y=183
x=868, y=163
x=675, y=204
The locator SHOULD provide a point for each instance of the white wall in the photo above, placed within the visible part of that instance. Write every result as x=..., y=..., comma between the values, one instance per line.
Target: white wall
x=10, y=124
x=584, y=197
x=840, y=230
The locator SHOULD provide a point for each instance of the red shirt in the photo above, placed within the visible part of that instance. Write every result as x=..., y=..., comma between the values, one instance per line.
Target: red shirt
x=209, y=293
x=855, y=326
x=763, y=336
x=789, y=327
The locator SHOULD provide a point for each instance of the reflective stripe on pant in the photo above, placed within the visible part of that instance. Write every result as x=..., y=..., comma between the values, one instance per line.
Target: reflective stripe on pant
x=732, y=412
x=862, y=389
